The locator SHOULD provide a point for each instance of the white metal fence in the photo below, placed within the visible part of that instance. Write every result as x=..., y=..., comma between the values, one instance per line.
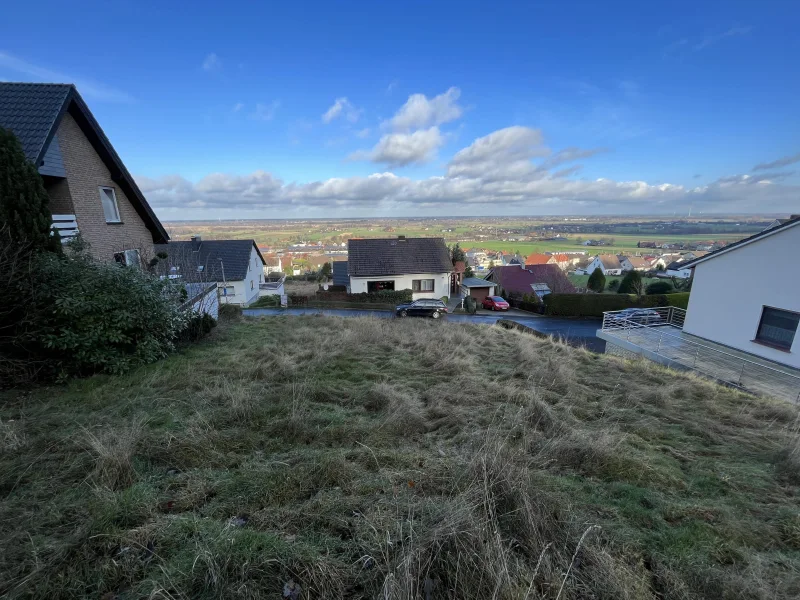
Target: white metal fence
x=67, y=227
x=657, y=330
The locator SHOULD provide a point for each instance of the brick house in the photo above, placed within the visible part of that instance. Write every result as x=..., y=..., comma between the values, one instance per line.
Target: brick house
x=91, y=192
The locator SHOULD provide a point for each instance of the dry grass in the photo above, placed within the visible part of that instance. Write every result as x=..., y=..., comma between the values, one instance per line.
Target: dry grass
x=367, y=458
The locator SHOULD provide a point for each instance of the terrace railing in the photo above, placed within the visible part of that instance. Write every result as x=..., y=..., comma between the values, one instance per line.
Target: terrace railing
x=67, y=227
x=658, y=330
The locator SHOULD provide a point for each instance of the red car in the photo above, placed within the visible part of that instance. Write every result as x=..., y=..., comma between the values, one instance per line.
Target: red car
x=494, y=303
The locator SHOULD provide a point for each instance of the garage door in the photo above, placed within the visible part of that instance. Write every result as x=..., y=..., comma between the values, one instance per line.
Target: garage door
x=479, y=293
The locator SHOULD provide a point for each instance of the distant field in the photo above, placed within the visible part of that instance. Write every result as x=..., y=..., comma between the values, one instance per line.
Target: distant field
x=272, y=234
x=622, y=243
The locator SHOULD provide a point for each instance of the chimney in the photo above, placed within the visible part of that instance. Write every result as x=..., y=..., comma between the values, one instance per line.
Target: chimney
x=196, y=241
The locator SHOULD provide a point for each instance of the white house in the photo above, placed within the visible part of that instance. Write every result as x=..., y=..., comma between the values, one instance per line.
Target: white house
x=202, y=298
x=272, y=265
x=237, y=266
x=422, y=265
x=608, y=263
x=763, y=319
x=678, y=269
x=634, y=263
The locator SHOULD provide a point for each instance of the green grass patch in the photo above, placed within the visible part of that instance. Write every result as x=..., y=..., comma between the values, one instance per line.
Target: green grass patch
x=363, y=458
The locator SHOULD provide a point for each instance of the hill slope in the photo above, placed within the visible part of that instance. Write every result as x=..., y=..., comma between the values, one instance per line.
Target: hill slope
x=396, y=459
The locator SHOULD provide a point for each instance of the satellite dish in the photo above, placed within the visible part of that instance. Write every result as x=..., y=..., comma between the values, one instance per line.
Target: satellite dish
x=325, y=287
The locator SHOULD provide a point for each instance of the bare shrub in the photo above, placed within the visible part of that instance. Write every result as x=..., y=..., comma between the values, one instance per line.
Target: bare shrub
x=112, y=450
x=11, y=436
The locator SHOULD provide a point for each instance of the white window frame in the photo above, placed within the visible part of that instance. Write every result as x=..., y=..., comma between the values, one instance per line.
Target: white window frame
x=115, y=206
x=130, y=258
x=418, y=283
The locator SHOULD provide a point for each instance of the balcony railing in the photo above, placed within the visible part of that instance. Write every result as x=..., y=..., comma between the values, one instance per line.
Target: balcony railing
x=67, y=227
x=658, y=330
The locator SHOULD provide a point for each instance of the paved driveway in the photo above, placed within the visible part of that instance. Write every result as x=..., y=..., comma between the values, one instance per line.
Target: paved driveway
x=578, y=332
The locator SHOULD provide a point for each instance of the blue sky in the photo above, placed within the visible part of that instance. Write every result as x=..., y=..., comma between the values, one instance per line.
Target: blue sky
x=420, y=108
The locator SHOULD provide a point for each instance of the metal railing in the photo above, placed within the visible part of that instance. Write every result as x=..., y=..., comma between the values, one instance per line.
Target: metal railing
x=67, y=227
x=654, y=329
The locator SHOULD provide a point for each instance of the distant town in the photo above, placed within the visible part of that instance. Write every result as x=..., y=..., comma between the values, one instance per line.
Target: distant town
x=297, y=247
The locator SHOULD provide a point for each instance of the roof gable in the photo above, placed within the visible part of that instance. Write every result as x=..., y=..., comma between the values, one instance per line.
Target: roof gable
x=610, y=261
x=33, y=111
x=221, y=260
x=516, y=280
x=397, y=256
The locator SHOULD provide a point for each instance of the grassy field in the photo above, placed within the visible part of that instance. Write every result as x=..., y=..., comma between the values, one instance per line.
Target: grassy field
x=623, y=244
x=366, y=458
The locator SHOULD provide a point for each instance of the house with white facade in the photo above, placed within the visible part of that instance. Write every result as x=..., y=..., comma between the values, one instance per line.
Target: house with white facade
x=422, y=265
x=763, y=321
x=236, y=266
x=634, y=263
x=607, y=263
x=679, y=269
x=747, y=339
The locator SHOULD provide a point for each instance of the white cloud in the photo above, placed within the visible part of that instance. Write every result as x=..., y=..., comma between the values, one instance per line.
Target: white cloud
x=266, y=112
x=212, y=62
x=238, y=106
x=363, y=133
x=342, y=107
x=710, y=40
x=501, y=154
x=571, y=154
x=419, y=111
x=89, y=89
x=495, y=173
x=401, y=149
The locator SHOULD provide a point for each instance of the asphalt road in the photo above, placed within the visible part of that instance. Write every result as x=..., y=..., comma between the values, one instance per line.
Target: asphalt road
x=578, y=332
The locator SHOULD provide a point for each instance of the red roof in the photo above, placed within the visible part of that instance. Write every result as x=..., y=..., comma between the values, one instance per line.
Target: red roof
x=560, y=258
x=537, y=259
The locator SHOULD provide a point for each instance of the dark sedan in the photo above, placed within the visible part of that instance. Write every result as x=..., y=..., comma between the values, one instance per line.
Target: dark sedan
x=427, y=307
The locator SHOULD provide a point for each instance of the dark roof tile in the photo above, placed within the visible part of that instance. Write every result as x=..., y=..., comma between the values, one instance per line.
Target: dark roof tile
x=340, y=276
x=235, y=255
x=30, y=110
x=397, y=256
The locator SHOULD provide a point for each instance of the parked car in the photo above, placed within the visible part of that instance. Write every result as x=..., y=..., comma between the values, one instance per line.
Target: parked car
x=495, y=303
x=640, y=316
x=427, y=307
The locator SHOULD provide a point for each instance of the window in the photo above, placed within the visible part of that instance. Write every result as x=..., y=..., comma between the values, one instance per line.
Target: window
x=110, y=208
x=422, y=285
x=777, y=327
x=201, y=268
x=128, y=258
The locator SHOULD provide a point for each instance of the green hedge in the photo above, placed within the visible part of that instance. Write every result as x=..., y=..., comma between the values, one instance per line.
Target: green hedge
x=384, y=297
x=679, y=299
x=594, y=305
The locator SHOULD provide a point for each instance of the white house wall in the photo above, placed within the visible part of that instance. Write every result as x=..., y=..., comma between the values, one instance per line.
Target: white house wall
x=209, y=304
x=730, y=291
x=245, y=291
x=441, y=284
